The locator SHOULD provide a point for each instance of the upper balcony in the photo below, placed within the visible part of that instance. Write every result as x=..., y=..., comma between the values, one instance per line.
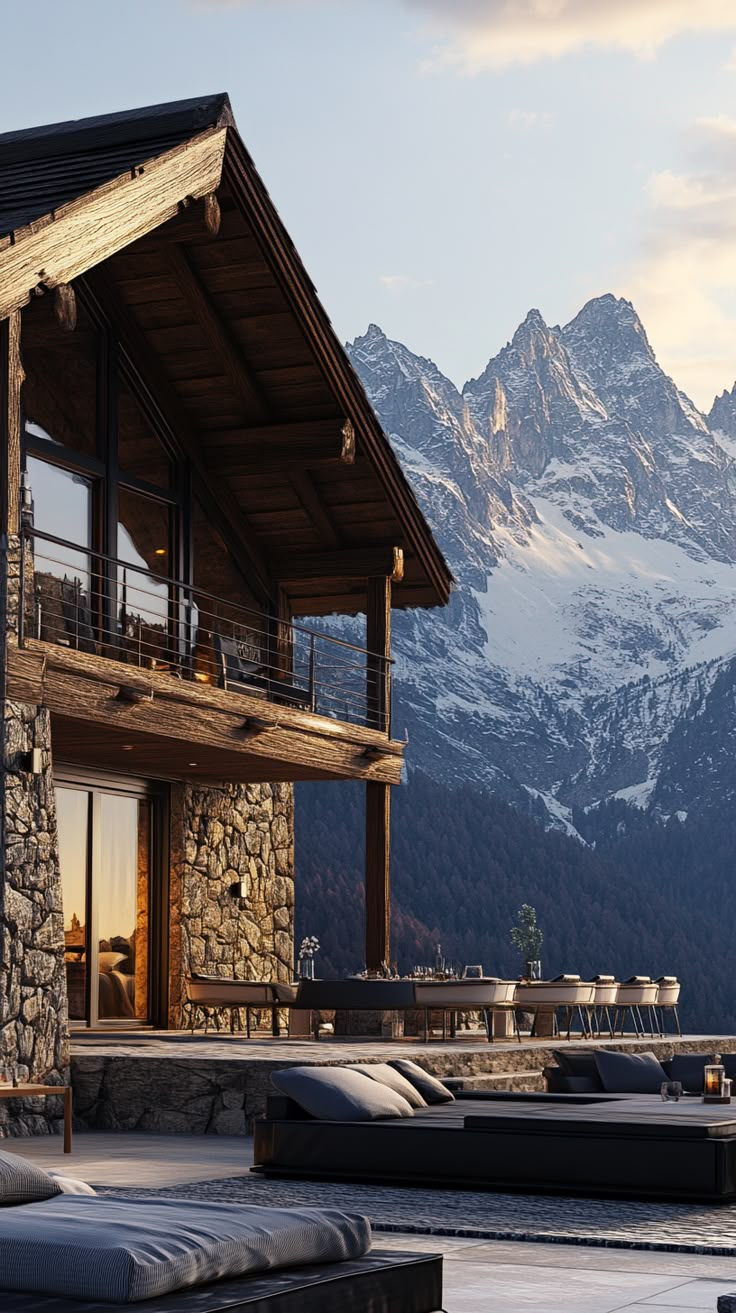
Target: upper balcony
x=187, y=684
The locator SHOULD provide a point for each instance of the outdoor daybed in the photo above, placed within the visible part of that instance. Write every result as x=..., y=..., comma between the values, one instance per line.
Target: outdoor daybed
x=65, y=1250
x=592, y=1144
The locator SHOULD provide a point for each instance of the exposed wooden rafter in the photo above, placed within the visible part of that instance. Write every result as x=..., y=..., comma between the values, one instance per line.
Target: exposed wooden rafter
x=357, y=563
x=303, y=485
x=283, y=446
x=218, y=335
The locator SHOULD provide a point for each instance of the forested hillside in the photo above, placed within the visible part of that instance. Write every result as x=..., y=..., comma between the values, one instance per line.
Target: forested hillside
x=645, y=899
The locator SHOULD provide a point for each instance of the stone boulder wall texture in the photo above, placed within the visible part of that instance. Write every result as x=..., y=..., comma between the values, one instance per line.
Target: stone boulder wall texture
x=231, y=833
x=33, y=1004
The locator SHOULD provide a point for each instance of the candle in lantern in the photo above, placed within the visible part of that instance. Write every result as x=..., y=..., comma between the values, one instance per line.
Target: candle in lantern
x=713, y=1078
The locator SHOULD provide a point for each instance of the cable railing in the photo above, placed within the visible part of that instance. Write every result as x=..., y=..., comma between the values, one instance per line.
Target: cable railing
x=96, y=604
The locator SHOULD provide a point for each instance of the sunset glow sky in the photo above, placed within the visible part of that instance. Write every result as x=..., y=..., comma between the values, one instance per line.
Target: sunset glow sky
x=444, y=165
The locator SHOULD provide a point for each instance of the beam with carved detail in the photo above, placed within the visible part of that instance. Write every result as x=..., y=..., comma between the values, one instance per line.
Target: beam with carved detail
x=77, y=236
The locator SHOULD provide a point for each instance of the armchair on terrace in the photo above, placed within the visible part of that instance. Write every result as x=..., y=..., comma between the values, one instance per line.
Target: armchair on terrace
x=238, y=672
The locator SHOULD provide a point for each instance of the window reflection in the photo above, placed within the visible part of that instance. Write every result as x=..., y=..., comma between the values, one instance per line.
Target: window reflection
x=63, y=574
x=60, y=390
x=144, y=541
x=72, y=816
x=140, y=453
x=109, y=834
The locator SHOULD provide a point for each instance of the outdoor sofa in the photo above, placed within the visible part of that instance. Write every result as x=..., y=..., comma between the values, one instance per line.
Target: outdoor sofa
x=607, y=1143
x=64, y=1249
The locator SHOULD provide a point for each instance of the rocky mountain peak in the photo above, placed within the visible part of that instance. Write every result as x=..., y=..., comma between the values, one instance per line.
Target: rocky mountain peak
x=722, y=415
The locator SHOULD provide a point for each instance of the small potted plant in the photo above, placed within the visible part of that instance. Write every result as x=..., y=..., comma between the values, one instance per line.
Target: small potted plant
x=527, y=938
x=307, y=953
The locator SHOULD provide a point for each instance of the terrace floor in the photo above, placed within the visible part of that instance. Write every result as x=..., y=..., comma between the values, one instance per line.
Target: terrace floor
x=481, y=1276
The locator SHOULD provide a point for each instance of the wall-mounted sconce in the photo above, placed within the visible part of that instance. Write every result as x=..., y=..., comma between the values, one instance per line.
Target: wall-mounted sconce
x=257, y=725
x=132, y=695
x=238, y=889
x=32, y=761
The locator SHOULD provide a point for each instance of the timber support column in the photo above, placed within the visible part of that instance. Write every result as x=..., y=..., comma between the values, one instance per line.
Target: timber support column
x=377, y=795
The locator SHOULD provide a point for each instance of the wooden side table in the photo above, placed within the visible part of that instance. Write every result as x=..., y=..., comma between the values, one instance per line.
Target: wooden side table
x=45, y=1091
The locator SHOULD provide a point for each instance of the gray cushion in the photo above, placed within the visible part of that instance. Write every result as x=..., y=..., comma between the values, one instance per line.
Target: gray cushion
x=629, y=1073
x=431, y=1089
x=688, y=1069
x=22, y=1182
x=337, y=1094
x=125, y=1250
x=388, y=1075
x=579, y=1062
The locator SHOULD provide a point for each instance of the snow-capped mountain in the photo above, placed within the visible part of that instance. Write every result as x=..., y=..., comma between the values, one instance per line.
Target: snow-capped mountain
x=588, y=511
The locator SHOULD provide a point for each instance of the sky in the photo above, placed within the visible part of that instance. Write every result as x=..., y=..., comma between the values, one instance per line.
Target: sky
x=445, y=165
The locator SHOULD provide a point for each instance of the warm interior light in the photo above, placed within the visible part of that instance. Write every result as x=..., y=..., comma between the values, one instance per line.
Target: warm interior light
x=201, y=677
x=160, y=551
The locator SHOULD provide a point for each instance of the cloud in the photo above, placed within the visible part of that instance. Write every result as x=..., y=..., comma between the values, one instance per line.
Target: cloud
x=403, y=282
x=683, y=281
x=528, y=119
x=478, y=34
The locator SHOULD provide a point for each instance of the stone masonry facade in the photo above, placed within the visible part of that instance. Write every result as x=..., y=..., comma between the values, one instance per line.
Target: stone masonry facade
x=226, y=834
x=33, y=1006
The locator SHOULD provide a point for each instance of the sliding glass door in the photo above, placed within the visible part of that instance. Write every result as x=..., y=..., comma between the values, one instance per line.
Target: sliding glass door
x=108, y=876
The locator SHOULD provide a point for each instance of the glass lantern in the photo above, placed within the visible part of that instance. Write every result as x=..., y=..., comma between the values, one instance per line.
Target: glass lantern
x=714, y=1078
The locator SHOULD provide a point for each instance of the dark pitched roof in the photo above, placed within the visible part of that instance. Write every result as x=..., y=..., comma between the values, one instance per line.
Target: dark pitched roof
x=43, y=168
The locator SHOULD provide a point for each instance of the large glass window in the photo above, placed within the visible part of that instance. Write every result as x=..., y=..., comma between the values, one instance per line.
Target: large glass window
x=145, y=535
x=60, y=391
x=105, y=852
x=141, y=455
x=63, y=601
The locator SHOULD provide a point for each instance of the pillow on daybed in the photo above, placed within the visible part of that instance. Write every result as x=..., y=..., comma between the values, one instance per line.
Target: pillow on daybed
x=688, y=1069
x=579, y=1064
x=629, y=1073
x=388, y=1075
x=431, y=1089
x=22, y=1182
x=337, y=1094
x=124, y=1250
x=70, y=1185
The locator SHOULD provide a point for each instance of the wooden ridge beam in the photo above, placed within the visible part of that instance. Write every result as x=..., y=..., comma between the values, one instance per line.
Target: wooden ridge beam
x=218, y=501
x=61, y=246
x=283, y=446
x=360, y=563
x=219, y=336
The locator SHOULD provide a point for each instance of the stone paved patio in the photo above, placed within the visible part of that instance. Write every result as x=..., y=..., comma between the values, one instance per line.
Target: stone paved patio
x=480, y=1276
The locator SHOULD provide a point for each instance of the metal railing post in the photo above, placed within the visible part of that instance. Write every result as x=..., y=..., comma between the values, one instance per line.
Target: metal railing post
x=312, y=686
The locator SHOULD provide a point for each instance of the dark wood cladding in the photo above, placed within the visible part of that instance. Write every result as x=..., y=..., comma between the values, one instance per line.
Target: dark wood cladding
x=240, y=368
x=187, y=731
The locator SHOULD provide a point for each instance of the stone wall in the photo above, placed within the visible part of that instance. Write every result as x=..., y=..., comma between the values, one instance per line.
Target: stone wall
x=237, y=831
x=33, y=1007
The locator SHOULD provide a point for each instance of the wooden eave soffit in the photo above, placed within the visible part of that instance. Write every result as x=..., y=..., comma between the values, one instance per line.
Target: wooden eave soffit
x=90, y=229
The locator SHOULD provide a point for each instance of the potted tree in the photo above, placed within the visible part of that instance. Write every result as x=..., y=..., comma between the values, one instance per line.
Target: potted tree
x=527, y=938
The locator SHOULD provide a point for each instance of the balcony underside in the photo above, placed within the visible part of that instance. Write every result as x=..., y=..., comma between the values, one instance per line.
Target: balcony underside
x=108, y=715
